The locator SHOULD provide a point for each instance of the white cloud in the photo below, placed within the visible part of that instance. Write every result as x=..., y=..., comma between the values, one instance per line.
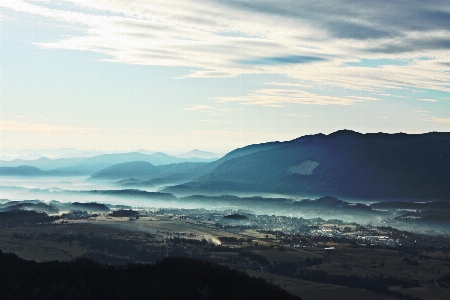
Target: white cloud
x=307, y=42
x=6, y=18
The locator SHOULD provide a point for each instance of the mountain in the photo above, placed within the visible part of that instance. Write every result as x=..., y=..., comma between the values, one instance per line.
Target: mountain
x=141, y=173
x=20, y=171
x=145, y=151
x=171, y=173
x=127, y=170
x=238, y=153
x=343, y=164
x=199, y=154
x=90, y=165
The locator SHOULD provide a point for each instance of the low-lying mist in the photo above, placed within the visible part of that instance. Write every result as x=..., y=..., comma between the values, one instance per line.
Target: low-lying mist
x=78, y=189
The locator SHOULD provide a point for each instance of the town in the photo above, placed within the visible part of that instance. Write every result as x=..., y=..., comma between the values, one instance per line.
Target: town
x=300, y=255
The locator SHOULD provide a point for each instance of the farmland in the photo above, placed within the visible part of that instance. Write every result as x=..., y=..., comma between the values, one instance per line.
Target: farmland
x=312, y=262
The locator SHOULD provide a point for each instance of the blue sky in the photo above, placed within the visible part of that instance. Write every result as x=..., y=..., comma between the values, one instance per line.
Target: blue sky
x=216, y=75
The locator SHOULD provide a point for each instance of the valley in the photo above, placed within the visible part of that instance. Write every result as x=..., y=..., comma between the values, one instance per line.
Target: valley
x=321, y=216
x=307, y=257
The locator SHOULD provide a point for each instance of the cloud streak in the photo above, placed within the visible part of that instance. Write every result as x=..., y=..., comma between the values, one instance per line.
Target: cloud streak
x=316, y=43
x=199, y=108
x=277, y=97
x=281, y=60
x=441, y=120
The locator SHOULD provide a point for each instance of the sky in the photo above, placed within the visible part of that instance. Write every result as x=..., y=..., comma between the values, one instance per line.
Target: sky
x=217, y=75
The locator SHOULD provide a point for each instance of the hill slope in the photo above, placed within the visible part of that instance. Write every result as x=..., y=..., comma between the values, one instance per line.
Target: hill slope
x=142, y=173
x=343, y=164
x=137, y=174
x=127, y=170
x=20, y=171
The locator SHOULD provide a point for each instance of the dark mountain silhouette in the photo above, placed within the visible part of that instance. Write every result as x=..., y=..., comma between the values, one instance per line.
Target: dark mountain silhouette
x=171, y=278
x=344, y=164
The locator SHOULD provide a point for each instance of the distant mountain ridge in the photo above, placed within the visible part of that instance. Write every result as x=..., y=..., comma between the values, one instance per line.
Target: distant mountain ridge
x=196, y=153
x=139, y=172
x=31, y=154
x=20, y=171
x=90, y=165
x=344, y=164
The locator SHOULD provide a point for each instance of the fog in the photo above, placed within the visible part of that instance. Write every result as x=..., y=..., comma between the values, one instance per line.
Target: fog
x=81, y=189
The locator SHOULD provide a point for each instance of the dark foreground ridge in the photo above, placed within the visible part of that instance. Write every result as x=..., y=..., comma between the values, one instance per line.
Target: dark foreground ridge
x=171, y=278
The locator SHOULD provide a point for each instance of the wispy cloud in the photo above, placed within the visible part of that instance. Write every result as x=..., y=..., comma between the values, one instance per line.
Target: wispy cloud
x=297, y=115
x=421, y=112
x=281, y=60
x=304, y=40
x=277, y=97
x=213, y=111
x=428, y=100
x=441, y=120
x=199, y=108
x=216, y=121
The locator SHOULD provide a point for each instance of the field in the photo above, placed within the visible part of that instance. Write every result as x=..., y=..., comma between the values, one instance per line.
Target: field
x=67, y=240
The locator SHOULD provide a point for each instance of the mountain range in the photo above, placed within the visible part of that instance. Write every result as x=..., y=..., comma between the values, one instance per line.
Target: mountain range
x=344, y=164
x=86, y=165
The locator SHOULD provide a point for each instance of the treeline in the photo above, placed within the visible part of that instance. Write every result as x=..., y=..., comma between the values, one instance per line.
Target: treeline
x=25, y=217
x=411, y=262
x=290, y=268
x=255, y=257
x=128, y=250
x=177, y=241
x=124, y=213
x=171, y=278
x=445, y=278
